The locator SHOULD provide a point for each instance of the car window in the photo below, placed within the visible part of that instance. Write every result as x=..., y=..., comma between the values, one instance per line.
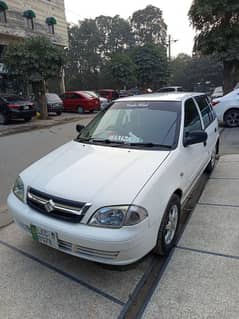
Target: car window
x=137, y=122
x=51, y=98
x=192, y=121
x=205, y=109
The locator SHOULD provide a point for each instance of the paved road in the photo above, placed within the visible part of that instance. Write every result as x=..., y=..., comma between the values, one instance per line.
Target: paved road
x=37, y=281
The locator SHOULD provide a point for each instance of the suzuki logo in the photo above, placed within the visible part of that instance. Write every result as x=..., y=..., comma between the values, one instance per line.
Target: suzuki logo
x=49, y=206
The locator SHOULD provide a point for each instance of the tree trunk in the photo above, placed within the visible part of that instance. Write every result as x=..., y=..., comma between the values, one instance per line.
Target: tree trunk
x=230, y=75
x=43, y=102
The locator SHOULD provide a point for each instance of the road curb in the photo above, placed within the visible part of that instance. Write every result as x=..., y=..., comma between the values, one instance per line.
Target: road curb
x=37, y=127
x=5, y=217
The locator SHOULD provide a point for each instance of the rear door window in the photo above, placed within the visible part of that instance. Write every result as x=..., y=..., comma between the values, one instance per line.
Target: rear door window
x=192, y=121
x=206, y=111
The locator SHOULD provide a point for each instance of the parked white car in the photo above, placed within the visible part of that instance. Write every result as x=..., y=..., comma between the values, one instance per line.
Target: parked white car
x=115, y=193
x=227, y=108
x=217, y=92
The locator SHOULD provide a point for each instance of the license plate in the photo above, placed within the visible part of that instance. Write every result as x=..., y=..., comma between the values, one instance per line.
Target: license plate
x=25, y=107
x=44, y=236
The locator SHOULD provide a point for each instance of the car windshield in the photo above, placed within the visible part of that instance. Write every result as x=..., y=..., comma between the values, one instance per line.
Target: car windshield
x=144, y=124
x=51, y=97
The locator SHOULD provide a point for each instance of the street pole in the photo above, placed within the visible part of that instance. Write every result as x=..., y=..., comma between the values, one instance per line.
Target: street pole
x=169, y=47
x=170, y=41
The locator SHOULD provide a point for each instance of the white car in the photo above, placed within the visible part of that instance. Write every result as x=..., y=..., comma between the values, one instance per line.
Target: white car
x=227, y=108
x=218, y=92
x=115, y=193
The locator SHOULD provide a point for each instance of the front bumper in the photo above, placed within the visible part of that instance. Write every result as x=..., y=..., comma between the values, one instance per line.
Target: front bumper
x=110, y=246
x=21, y=114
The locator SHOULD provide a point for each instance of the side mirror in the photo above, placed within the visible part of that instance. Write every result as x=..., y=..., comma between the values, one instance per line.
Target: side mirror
x=195, y=137
x=79, y=128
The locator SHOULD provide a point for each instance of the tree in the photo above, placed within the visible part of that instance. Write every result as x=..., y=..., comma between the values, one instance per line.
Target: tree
x=196, y=73
x=148, y=26
x=121, y=70
x=217, y=23
x=36, y=59
x=151, y=65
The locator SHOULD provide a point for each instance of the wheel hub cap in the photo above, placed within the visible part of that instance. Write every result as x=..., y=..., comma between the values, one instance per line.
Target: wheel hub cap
x=171, y=225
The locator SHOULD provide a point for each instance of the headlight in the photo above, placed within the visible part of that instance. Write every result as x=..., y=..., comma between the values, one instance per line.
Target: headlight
x=118, y=216
x=18, y=189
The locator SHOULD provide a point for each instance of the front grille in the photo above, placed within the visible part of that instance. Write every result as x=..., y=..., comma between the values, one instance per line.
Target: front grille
x=77, y=249
x=55, y=207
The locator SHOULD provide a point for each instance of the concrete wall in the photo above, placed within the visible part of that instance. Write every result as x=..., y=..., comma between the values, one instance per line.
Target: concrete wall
x=16, y=26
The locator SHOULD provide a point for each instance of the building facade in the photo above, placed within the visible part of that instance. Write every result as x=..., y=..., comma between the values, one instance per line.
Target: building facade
x=21, y=19
x=26, y=18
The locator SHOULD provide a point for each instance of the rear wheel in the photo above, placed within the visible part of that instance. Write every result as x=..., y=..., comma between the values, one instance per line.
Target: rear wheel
x=80, y=109
x=3, y=119
x=231, y=118
x=169, y=227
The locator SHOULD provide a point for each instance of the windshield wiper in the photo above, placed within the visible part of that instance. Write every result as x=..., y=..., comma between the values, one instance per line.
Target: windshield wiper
x=149, y=144
x=106, y=141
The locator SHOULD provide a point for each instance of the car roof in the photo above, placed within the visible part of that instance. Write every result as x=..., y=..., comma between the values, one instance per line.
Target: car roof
x=172, y=96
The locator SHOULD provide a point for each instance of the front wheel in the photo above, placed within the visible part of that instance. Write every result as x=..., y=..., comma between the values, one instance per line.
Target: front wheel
x=231, y=118
x=3, y=119
x=212, y=163
x=80, y=109
x=169, y=227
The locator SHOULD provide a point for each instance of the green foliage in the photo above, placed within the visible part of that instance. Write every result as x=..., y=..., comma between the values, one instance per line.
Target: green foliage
x=148, y=26
x=151, y=65
x=34, y=57
x=95, y=44
x=121, y=70
x=218, y=24
x=196, y=73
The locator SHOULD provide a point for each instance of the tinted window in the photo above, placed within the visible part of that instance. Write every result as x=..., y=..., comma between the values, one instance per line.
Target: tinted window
x=205, y=109
x=51, y=98
x=192, y=121
x=137, y=122
x=164, y=90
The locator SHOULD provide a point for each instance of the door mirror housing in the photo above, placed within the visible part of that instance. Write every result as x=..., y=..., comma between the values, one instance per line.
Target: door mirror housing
x=195, y=137
x=79, y=128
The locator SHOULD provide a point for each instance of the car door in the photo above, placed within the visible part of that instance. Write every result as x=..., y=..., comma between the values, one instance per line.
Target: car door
x=210, y=124
x=193, y=157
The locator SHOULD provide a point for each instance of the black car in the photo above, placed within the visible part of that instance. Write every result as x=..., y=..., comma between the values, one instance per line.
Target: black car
x=15, y=107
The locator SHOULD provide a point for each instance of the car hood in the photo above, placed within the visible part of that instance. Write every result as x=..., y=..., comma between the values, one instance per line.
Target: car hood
x=89, y=173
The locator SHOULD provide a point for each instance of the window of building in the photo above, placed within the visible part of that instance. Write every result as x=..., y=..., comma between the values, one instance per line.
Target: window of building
x=3, y=14
x=29, y=15
x=51, y=22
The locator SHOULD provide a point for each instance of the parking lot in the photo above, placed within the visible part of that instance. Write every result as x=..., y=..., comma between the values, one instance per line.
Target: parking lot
x=38, y=281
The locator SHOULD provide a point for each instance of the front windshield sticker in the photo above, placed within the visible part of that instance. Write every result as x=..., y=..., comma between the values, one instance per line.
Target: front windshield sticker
x=141, y=104
x=131, y=138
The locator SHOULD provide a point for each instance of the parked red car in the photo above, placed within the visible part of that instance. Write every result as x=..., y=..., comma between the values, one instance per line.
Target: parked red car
x=80, y=101
x=109, y=94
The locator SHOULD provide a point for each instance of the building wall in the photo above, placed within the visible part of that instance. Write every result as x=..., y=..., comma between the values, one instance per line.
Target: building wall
x=16, y=26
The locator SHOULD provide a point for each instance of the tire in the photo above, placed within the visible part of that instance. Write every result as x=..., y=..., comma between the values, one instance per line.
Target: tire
x=231, y=118
x=27, y=119
x=171, y=219
x=58, y=113
x=211, y=165
x=3, y=119
x=80, y=110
